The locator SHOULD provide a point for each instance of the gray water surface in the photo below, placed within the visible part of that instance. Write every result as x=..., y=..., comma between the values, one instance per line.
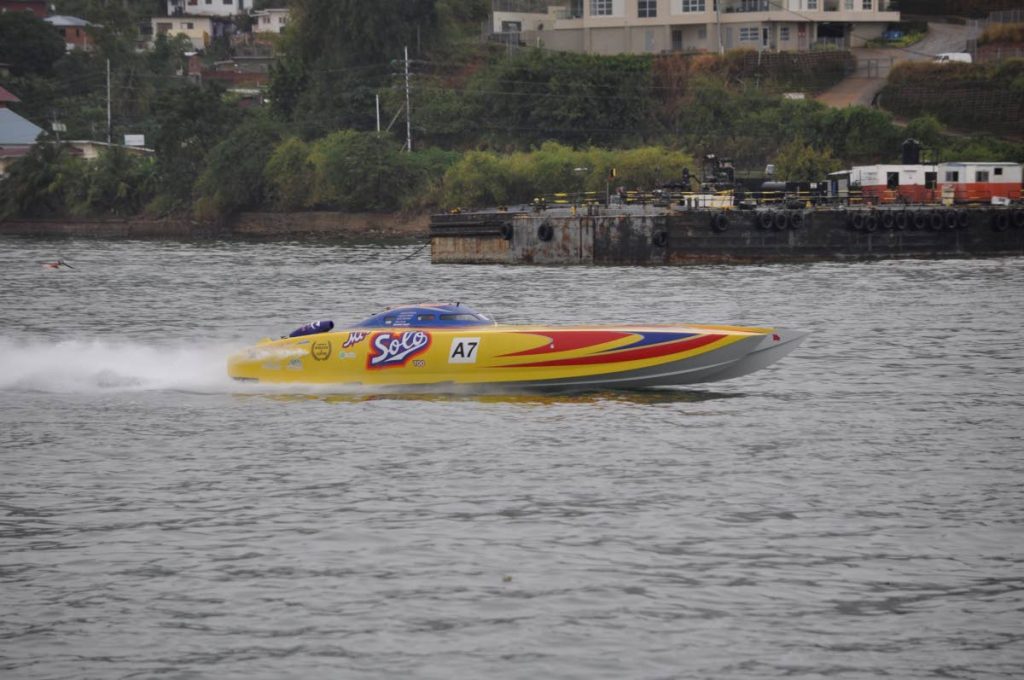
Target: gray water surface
x=855, y=511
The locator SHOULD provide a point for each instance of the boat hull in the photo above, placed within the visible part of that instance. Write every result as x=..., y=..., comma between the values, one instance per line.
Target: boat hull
x=517, y=357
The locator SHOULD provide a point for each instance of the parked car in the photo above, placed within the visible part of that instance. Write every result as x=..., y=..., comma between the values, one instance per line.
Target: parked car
x=948, y=57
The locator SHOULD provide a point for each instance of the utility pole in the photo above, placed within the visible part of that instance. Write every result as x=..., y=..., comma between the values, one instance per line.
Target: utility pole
x=408, y=112
x=718, y=25
x=108, y=102
x=378, y=113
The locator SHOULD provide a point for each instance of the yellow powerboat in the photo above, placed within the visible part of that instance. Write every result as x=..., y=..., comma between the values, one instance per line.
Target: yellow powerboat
x=444, y=345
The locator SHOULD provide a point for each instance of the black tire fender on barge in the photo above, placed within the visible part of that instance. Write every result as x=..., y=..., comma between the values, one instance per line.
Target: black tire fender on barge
x=764, y=220
x=1000, y=220
x=719, y=222
x=963, y=219
x=950, y=219
x=871, y=221
x=545, y=232
x=796, y=219
x=920, y=219
x=935, y=220
x=660, y=239
x=902, y=220
x=889, y=220
x=780, y=220
x=1018, y=218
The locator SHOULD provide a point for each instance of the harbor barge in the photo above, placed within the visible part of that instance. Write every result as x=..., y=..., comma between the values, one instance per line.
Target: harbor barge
x=680, y=234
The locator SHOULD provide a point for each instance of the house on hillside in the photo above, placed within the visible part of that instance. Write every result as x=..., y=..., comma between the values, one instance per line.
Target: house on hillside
x=271, y=20
x=74, y=32
x=661, y=26
x=207, y=8
x=17, y=135
x=38, y=7
x=199, y=30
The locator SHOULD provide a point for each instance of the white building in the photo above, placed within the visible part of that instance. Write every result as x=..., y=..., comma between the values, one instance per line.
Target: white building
x=270, y=20
x=208, y=8
x=658, y=26
x=199, y=30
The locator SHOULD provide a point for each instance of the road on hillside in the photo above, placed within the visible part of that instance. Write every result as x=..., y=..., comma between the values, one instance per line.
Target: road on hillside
x=874, y=64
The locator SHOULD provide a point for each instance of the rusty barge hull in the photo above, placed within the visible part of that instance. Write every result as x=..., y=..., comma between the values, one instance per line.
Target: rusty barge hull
x=632, y=235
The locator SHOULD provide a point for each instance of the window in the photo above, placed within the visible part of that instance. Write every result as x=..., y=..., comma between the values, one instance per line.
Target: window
x=209, y=2
x=812, y=4
x=748, y=34
x=784, y=34
x=981, y=176
x=425, y=317
x=459, y=317
x=647, y=9
x=848, y=4
x=601, y=8
x=997, y=171
x=702, y=33
x=693, y=5
x=187, y=25
x=677, y=39
x=952, y=175
x=229, y=2
x=867, y=5
x=163, y=27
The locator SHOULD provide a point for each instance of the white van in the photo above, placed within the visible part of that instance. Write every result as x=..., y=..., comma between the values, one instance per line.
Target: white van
x=947, y=57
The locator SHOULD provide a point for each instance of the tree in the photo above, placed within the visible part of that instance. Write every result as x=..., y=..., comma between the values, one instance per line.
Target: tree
x=338, y=56
x=799, y=162
x=233, y=178
x=361, y=171
x=32, y=187
x=29, y=45
x=288, y=175
x=190, y=121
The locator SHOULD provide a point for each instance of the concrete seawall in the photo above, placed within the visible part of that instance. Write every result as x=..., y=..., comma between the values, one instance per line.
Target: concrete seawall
x=268, y=226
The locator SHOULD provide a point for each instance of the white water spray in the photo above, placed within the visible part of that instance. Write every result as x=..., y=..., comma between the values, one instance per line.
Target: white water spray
x=98, y=365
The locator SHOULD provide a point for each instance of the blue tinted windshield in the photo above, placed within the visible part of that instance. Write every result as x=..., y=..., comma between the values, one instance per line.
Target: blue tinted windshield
x=426, y=316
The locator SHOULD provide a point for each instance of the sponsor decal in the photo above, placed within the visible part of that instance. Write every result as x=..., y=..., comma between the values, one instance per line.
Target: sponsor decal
x=419, y=363
x=354, y=338
x=321, y=350
x=390, y=349
x=295, y=365
x=463, y=350
x=346, y=355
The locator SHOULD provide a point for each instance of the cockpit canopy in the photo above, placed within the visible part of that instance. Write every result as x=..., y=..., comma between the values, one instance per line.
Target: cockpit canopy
x=426, y=316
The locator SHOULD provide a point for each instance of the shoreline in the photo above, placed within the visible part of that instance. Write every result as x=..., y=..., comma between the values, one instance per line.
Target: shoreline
x=248, y=225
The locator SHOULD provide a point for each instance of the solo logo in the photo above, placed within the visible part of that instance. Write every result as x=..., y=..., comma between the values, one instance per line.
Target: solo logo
x=394, y=349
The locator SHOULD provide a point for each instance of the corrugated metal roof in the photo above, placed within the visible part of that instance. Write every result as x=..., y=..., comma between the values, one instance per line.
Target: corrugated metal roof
x=62, y=21
x=6, y=96
x=16, y=130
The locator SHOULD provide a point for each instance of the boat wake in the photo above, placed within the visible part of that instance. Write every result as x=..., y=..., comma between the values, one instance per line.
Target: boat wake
x=70, y=366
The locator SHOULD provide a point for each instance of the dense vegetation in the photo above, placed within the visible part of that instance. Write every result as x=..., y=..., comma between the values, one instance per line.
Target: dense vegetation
x=990, y=96
x=1002, y=34
x=488, y=126
x=958, y=8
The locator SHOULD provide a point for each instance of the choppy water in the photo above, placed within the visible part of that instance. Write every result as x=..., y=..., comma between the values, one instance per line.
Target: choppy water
x=854, y=512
